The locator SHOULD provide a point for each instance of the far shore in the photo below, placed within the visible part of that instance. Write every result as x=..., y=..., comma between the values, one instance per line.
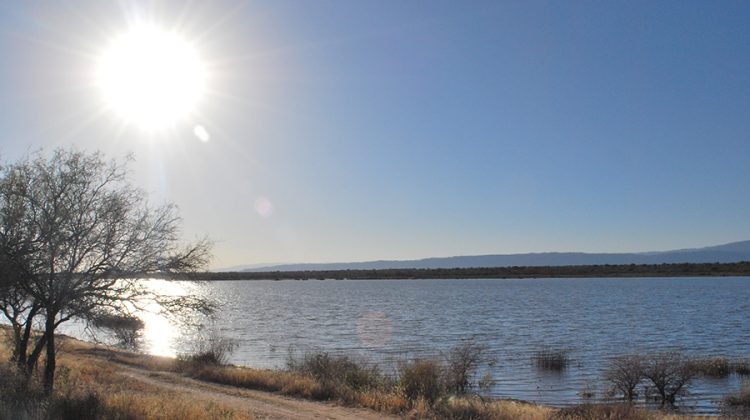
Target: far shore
x=739, y=269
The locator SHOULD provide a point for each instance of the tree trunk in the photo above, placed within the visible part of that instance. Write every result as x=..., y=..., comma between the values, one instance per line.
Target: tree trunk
x=33, y=358
x=17, y=347
x=22, y=344
x=49, y=364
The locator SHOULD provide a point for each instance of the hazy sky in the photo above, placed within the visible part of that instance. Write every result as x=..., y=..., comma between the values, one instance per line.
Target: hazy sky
x=354, y=130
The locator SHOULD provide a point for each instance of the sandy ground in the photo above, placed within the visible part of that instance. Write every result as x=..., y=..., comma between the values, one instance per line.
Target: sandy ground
x=263, y=405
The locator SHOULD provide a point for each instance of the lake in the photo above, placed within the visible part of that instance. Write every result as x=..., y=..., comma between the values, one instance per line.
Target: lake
x=386, y=321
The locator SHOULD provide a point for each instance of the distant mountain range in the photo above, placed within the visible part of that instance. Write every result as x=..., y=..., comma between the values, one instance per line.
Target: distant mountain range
x=732, y=252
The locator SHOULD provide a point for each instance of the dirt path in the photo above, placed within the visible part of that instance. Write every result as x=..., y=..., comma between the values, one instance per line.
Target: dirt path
x=263, y=405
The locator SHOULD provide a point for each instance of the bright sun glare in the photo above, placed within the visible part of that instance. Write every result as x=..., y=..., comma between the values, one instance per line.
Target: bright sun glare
x=151, y=77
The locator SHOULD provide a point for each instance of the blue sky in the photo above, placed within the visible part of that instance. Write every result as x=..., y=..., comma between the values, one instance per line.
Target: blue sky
x=396, y=130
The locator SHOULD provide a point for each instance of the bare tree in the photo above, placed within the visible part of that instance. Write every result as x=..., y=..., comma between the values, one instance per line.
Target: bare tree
x=669, y=373
x=15, y=303
x=462, y=364
x=625, y=373
x=79, y=237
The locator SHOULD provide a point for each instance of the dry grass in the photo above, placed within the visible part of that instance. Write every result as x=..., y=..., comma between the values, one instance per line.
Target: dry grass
x=261, y=379
x=737, y=405
x=123, y=397
x=89, y=387
x=741, y=367
x=614, y=412
x=476, y=408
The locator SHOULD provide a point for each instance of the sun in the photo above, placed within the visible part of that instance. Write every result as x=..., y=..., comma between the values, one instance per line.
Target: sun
x=150, y=77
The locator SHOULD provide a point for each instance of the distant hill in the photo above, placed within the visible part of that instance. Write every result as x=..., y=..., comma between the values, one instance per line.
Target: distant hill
x=727, y=253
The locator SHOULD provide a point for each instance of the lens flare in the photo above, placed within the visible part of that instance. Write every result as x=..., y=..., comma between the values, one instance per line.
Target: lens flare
x=202, y=134
x=264, y=207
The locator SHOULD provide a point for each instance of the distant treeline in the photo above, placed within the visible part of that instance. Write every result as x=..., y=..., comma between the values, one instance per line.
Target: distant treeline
x=604, y=270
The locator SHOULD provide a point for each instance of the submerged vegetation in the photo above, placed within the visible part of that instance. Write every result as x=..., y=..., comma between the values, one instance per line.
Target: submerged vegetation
x=552, y=359
x=716, y=367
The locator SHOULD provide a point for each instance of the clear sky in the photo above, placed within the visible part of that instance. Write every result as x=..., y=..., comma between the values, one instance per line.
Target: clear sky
x=358, y=130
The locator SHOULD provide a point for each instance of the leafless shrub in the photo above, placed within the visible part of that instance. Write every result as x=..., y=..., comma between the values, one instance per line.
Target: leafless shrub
x=337, y=371
x=669, y=374
x=212, y=350
x=625, y=373
x=462, y=363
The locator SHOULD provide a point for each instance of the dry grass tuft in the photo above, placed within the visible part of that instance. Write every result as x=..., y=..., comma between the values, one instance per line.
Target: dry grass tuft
x=741, y=367
x=715, y=367
x=476, y=408
x=386, y=402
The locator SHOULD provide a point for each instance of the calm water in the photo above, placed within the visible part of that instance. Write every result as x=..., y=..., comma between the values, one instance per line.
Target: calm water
x=388, y=320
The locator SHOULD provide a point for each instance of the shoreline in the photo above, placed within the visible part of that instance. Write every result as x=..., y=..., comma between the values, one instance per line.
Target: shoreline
x=130, y=383
x=739, y=269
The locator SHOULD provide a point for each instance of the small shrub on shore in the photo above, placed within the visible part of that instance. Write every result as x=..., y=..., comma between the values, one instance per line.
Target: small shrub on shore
x=421, y=379
x=462, y=363
x=552, y=359
x=334, y=371
x=213, y=350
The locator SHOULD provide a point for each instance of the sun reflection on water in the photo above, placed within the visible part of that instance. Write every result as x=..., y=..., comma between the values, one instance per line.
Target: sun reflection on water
x=161, y=334
x=158, y=334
